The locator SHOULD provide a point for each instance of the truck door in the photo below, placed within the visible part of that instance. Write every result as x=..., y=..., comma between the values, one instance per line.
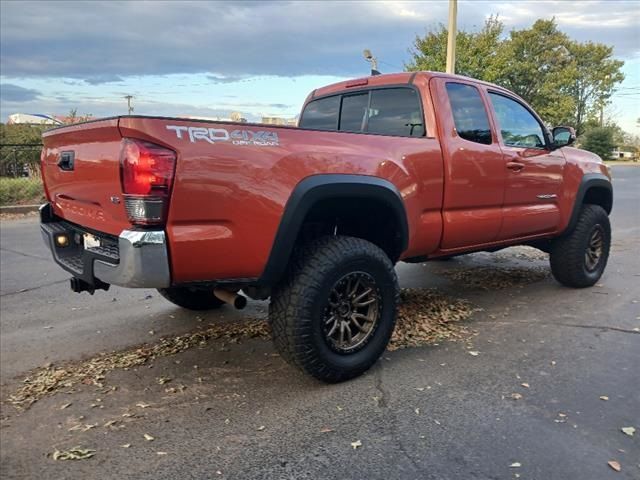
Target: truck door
x=474, y=170
x=533, y=171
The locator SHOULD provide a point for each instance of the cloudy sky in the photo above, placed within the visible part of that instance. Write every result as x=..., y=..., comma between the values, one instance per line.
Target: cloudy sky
x=260, y=58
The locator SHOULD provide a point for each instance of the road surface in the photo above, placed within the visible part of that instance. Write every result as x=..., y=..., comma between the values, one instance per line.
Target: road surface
x=237, y=411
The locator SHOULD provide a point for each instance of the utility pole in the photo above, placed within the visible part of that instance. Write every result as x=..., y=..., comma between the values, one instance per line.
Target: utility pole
x=601, y=115
x=451, y=38
x=129, y=107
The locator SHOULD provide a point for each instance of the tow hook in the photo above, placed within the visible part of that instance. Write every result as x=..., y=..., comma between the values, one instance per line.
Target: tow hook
x=78, y=285
x=232, y=298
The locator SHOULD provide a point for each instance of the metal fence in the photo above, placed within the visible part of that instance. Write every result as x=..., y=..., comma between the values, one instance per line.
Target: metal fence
x=20, y=160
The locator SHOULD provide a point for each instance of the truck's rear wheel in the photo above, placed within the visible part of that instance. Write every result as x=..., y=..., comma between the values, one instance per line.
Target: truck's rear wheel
x=191, y=298
x=334, y=313
x=579, y=258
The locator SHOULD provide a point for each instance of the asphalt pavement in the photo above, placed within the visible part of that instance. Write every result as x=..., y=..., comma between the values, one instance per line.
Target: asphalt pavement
x=540, y=390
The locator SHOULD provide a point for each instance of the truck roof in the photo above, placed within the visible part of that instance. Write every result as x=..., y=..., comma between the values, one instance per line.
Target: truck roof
x=395, y=79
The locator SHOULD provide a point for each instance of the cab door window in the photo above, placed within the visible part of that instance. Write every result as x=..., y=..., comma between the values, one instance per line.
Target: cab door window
x=518, y=126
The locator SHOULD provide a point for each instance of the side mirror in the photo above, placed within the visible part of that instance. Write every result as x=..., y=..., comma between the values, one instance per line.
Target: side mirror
x=563, y=136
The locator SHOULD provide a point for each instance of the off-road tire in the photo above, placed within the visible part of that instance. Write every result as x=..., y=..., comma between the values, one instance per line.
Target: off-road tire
x=568, y=253
x=191, y=298
x=298, y=306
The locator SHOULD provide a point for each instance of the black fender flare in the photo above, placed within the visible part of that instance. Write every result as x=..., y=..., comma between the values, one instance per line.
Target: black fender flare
x=589, y=180
x=320, y=187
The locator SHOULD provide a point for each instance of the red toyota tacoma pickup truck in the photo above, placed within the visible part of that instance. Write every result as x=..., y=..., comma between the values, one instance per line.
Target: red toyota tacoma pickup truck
x=400, y=167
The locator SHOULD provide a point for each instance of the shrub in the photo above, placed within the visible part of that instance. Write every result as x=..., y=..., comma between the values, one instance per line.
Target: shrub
x=599, y=140
x=15, y=191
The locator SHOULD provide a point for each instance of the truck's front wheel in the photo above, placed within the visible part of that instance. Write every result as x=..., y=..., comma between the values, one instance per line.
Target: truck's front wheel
x=334, y=313
x=191, y=298
x=579, y=258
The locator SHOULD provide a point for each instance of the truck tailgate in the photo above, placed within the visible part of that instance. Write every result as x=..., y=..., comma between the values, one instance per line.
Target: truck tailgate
x=81, y=173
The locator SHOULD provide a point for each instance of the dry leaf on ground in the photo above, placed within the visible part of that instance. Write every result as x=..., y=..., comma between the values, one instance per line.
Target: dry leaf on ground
x=74, y=453
x=495, y=278
x=628, y=430
x=356, y=444
x=615, y=465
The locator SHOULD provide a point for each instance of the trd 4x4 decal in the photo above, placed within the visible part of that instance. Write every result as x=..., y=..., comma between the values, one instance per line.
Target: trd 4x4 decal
x=261, y=138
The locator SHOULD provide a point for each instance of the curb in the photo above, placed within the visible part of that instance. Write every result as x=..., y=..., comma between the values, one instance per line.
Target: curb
x=19, y=209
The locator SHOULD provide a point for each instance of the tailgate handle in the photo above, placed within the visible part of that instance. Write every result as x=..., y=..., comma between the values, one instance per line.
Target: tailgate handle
x=67, y=160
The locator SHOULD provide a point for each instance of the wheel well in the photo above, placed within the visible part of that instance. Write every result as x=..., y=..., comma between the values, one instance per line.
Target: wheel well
x=367, y=218
x=599, y=196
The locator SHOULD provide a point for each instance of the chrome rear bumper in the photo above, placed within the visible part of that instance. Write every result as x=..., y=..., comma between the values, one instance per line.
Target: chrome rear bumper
x=135, y=259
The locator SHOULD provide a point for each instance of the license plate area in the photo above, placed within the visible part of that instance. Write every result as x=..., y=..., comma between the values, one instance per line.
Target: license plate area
x=90, y=241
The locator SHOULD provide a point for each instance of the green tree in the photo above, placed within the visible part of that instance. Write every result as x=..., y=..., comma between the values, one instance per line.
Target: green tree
x=477, y=53
x=539, y=70
x=595, y=74
x=563, y=80
x=600, y=141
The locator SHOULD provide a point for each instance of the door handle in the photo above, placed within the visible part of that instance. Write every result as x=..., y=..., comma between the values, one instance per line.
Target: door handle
x=66, y=161
x=515, y=166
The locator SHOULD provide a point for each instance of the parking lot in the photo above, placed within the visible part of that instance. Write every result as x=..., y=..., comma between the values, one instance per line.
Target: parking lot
x=537, y=385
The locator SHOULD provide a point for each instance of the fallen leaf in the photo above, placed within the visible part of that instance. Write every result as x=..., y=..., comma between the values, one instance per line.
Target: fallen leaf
x=357, y=444
x=161, y=453
x=629, y=430
x=74, y=453
x=516, y=396
x=66, y=405
x=148, y=437
x=474, y=353
x=261, y=427
x=615, y=465
x=420, y=389
x=604, y=397
x=163, y=380
x=142, y=405
x=525, y=385
x=515, y=465
x=110, y=423
x=126, y=445
x=326, y=430
x=417, y=410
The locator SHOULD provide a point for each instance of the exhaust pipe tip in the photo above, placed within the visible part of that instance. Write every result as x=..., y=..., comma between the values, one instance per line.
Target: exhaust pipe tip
x=232, y=298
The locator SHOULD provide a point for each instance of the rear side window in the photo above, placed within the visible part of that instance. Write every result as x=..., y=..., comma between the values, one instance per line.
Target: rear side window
x=353, y=112
x=469, y=115
x=387, y=111
x=321, y=114
x=395, y=111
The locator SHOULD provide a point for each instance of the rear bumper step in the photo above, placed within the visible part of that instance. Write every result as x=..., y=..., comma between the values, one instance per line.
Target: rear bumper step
x=135, y=259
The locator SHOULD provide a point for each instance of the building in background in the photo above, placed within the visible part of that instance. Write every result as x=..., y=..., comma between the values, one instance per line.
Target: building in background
x=625, y=152
x=292, y=122
x=32, y=119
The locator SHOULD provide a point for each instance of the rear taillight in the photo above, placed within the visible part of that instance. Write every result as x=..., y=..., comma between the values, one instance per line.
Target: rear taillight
x=147, y=176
